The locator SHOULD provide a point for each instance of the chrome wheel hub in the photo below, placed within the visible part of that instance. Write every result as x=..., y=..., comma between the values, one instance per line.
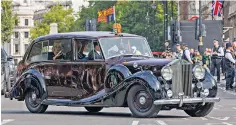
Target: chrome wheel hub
x=33, y=96
x=142, y=100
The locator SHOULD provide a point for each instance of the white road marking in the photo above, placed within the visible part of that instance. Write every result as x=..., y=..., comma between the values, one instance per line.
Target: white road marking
x=233, y=93
x=6, y=121
x=220, y=105
x=203, y=118
x=135, y=122
x=234, y=107
x=161, y=122
x=217, y=118
x=225, y=123
x=184, y=118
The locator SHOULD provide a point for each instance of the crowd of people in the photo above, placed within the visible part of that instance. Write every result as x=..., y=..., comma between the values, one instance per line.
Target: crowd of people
x=219, y=59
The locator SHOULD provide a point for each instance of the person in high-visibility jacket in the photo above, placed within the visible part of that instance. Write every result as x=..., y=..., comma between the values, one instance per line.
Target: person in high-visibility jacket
x=135, y=51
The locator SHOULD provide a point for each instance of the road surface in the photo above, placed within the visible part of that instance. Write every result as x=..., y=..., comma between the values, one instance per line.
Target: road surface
x=16, y=113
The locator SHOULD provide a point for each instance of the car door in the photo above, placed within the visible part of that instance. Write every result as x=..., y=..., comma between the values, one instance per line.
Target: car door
x=54, y=72
x=89, y=74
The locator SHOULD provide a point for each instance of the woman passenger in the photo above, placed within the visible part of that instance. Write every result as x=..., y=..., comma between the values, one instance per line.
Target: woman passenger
x=57, y=51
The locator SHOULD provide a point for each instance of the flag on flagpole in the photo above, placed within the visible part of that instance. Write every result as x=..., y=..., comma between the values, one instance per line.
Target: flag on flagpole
x=107, y=15
x=217, y=7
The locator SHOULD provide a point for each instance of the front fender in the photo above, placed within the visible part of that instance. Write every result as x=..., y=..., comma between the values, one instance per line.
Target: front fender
x=118, y=96
x=149, y=79
x=210, y=83
x=24, y=83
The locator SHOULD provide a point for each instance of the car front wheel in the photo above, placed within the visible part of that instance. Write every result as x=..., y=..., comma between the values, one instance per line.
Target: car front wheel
x=93, y=109
x=140, y=102
x=201, y=111
x=32, y=105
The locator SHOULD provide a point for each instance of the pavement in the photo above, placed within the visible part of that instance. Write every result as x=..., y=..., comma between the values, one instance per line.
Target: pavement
x=16, y=113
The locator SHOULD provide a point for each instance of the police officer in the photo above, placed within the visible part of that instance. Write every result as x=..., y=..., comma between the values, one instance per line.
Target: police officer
x=167, y=44
x=223, y=60
x=178, y=53
x=216, y=56
x=234, y=46
x=186, y=53
x=229, y=65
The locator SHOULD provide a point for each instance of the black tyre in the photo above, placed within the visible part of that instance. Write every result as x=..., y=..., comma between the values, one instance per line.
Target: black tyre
x=2, y=91
x=7, y=87
x=201, y=111
x=93, y=109
x=32, y=105
x=140, y=102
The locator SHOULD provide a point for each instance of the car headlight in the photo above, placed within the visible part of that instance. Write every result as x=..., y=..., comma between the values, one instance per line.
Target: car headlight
x=199, y=72
x=167, y=73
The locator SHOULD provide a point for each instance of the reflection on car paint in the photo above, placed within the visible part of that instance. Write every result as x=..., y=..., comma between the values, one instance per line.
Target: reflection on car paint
x=81, y=80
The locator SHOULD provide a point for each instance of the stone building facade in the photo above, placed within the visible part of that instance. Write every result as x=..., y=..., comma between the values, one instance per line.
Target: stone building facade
x=229, y=20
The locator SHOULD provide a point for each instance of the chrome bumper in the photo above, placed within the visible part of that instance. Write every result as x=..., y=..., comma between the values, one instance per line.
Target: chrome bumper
x=185, y=100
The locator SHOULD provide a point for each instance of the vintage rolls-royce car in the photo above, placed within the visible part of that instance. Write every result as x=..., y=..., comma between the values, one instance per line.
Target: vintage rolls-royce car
x=96, y=70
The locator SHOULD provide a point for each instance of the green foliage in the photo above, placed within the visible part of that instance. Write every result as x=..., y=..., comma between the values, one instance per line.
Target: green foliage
x=57, y=14
x=136, y=17
x=8, y=20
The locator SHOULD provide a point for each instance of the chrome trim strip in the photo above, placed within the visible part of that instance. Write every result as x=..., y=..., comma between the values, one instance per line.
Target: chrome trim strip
x=185, y=100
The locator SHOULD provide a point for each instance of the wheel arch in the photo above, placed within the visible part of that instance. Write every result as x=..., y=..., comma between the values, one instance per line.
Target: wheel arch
x=144, y=78
x=30, y=79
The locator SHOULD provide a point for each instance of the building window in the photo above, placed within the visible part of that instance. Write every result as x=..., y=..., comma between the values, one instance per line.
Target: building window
x=26, y=22
x=26, y=34
x=15, y=61
x=25, y=1
x=16, y=48
x=16, y=34
x=26, y=46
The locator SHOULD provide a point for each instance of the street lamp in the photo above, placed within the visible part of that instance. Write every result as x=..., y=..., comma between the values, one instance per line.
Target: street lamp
x=147, y=19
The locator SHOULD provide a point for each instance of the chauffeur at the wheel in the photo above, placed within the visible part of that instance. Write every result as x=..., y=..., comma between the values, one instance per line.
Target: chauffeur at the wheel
x=96, y=53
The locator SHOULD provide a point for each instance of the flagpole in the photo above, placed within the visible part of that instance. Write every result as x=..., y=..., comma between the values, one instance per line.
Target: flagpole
x=114, y=9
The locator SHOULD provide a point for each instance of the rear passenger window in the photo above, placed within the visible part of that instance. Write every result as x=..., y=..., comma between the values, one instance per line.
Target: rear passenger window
x=51, y=50
x=36, y=52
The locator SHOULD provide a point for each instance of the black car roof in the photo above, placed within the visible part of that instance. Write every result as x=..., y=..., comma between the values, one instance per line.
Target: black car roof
x=85, y=35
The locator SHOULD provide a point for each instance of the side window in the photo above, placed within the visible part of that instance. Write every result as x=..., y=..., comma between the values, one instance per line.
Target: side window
x=82, y=49
x=95, y=53
x=35, y=53
x=59, y=49
x=88, y=48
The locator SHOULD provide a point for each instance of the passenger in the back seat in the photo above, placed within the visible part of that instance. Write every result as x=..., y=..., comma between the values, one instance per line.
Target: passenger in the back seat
x=57, y=51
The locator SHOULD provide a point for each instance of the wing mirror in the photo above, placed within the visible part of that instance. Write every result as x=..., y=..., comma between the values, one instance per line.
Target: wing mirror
x=9, y=58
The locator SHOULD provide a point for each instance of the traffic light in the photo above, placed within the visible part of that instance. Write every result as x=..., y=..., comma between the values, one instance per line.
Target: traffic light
x=90, y=25
x=203, y=30
x=173, y=31
x=196, y=29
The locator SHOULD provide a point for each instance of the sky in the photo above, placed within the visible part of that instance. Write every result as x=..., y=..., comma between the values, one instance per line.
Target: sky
x=78, y=3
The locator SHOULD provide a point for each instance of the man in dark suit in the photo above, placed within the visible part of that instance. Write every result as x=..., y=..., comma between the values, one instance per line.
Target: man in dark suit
x=96, y=53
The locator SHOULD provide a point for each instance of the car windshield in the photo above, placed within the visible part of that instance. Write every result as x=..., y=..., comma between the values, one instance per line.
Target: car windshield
x=117, y=46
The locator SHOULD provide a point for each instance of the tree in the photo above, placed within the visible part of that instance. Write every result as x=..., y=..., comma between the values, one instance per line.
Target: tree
x=8, y=21
x=136, y=17
x=56, y=14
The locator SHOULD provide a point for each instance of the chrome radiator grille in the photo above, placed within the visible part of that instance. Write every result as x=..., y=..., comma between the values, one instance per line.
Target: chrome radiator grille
x=182, y=79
